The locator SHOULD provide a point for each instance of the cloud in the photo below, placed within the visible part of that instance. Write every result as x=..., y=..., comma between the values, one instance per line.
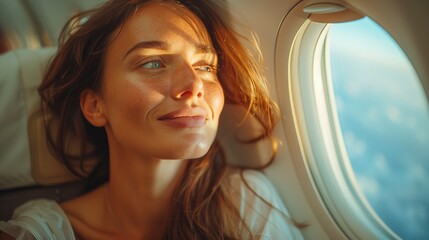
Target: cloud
x=417, y=173
x=381, y=164
x=355, y=146
x=369, y=186
x=394, y=114
x=372, y=115
x=354, y=88
x=418, y=129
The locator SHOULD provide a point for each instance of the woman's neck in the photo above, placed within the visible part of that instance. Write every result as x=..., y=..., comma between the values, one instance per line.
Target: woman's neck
x=141, y=192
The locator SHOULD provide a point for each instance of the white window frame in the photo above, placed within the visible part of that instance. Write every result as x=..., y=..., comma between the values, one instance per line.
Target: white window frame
x=312, y=129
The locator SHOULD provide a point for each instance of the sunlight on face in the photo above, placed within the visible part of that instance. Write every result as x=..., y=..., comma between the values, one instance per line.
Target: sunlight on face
x=161, y=97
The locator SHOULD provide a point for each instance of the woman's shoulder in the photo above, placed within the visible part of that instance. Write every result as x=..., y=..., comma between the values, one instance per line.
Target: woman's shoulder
x=259, y=204
x=39, y=207
x=251, y=182
x=254, y=176
x=38, y=219
x=252, y=187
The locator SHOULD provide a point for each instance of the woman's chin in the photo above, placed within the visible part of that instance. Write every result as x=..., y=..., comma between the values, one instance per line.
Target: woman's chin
x=190, y=152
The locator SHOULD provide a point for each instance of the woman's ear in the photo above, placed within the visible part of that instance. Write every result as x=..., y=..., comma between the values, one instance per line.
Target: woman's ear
x=91, y=106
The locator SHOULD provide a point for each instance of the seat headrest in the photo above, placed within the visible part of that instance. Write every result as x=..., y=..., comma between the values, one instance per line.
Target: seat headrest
x=24, y=156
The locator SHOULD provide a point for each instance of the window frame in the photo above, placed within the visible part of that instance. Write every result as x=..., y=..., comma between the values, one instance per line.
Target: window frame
x=313, y=133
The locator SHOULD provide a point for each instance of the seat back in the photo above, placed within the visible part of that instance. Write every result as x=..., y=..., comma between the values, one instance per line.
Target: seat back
x=27, y=169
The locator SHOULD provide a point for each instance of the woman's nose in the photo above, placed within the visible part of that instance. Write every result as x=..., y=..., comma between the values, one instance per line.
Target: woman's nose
x=186, y=83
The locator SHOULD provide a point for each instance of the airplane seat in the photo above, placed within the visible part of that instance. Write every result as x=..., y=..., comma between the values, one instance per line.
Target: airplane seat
x=28, y=32
x=28, y=169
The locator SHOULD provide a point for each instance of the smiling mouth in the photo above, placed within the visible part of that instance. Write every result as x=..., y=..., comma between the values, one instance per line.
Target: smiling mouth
x=186, y=117
x=185, y=121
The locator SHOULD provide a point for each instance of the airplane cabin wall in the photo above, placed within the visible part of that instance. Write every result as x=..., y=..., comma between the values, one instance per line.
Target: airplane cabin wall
x=406, y=21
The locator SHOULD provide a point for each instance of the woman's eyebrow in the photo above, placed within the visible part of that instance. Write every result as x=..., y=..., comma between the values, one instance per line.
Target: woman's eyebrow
x=159, y=45
x=202, y=48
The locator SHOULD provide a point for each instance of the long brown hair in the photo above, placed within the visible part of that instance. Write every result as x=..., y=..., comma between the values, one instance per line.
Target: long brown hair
x=201, y=208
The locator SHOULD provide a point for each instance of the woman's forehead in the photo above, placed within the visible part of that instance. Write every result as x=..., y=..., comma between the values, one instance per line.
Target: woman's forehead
x=163, y=21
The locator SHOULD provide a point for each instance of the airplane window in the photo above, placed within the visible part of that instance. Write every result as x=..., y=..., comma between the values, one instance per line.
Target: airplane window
x=384, y=118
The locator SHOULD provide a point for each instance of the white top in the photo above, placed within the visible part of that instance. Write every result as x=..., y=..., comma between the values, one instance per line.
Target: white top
x=44, y=219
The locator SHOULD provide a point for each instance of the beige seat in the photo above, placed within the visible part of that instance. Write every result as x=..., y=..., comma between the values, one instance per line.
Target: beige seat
x=27, y=169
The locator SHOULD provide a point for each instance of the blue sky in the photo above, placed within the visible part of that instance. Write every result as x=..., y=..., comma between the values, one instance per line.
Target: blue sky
x=384, y=116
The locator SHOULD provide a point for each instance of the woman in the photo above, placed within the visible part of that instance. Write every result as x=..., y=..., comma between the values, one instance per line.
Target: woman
x=141, y=85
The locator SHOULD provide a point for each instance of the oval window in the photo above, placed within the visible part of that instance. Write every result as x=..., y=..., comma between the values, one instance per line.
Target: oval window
x=384, y=119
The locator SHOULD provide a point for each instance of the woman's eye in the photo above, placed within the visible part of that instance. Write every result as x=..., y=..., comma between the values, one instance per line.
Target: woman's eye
x=207, y=68
x=153, y=64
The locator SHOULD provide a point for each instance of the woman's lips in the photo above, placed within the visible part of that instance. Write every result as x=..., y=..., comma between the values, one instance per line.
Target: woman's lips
x=185, y=121
x=186, y=118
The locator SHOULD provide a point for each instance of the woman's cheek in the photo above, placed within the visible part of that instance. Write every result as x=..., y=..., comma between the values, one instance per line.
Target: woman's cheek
x=218, y=100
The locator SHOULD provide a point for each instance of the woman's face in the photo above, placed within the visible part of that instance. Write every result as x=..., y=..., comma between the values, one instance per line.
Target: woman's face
x=160, y=95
